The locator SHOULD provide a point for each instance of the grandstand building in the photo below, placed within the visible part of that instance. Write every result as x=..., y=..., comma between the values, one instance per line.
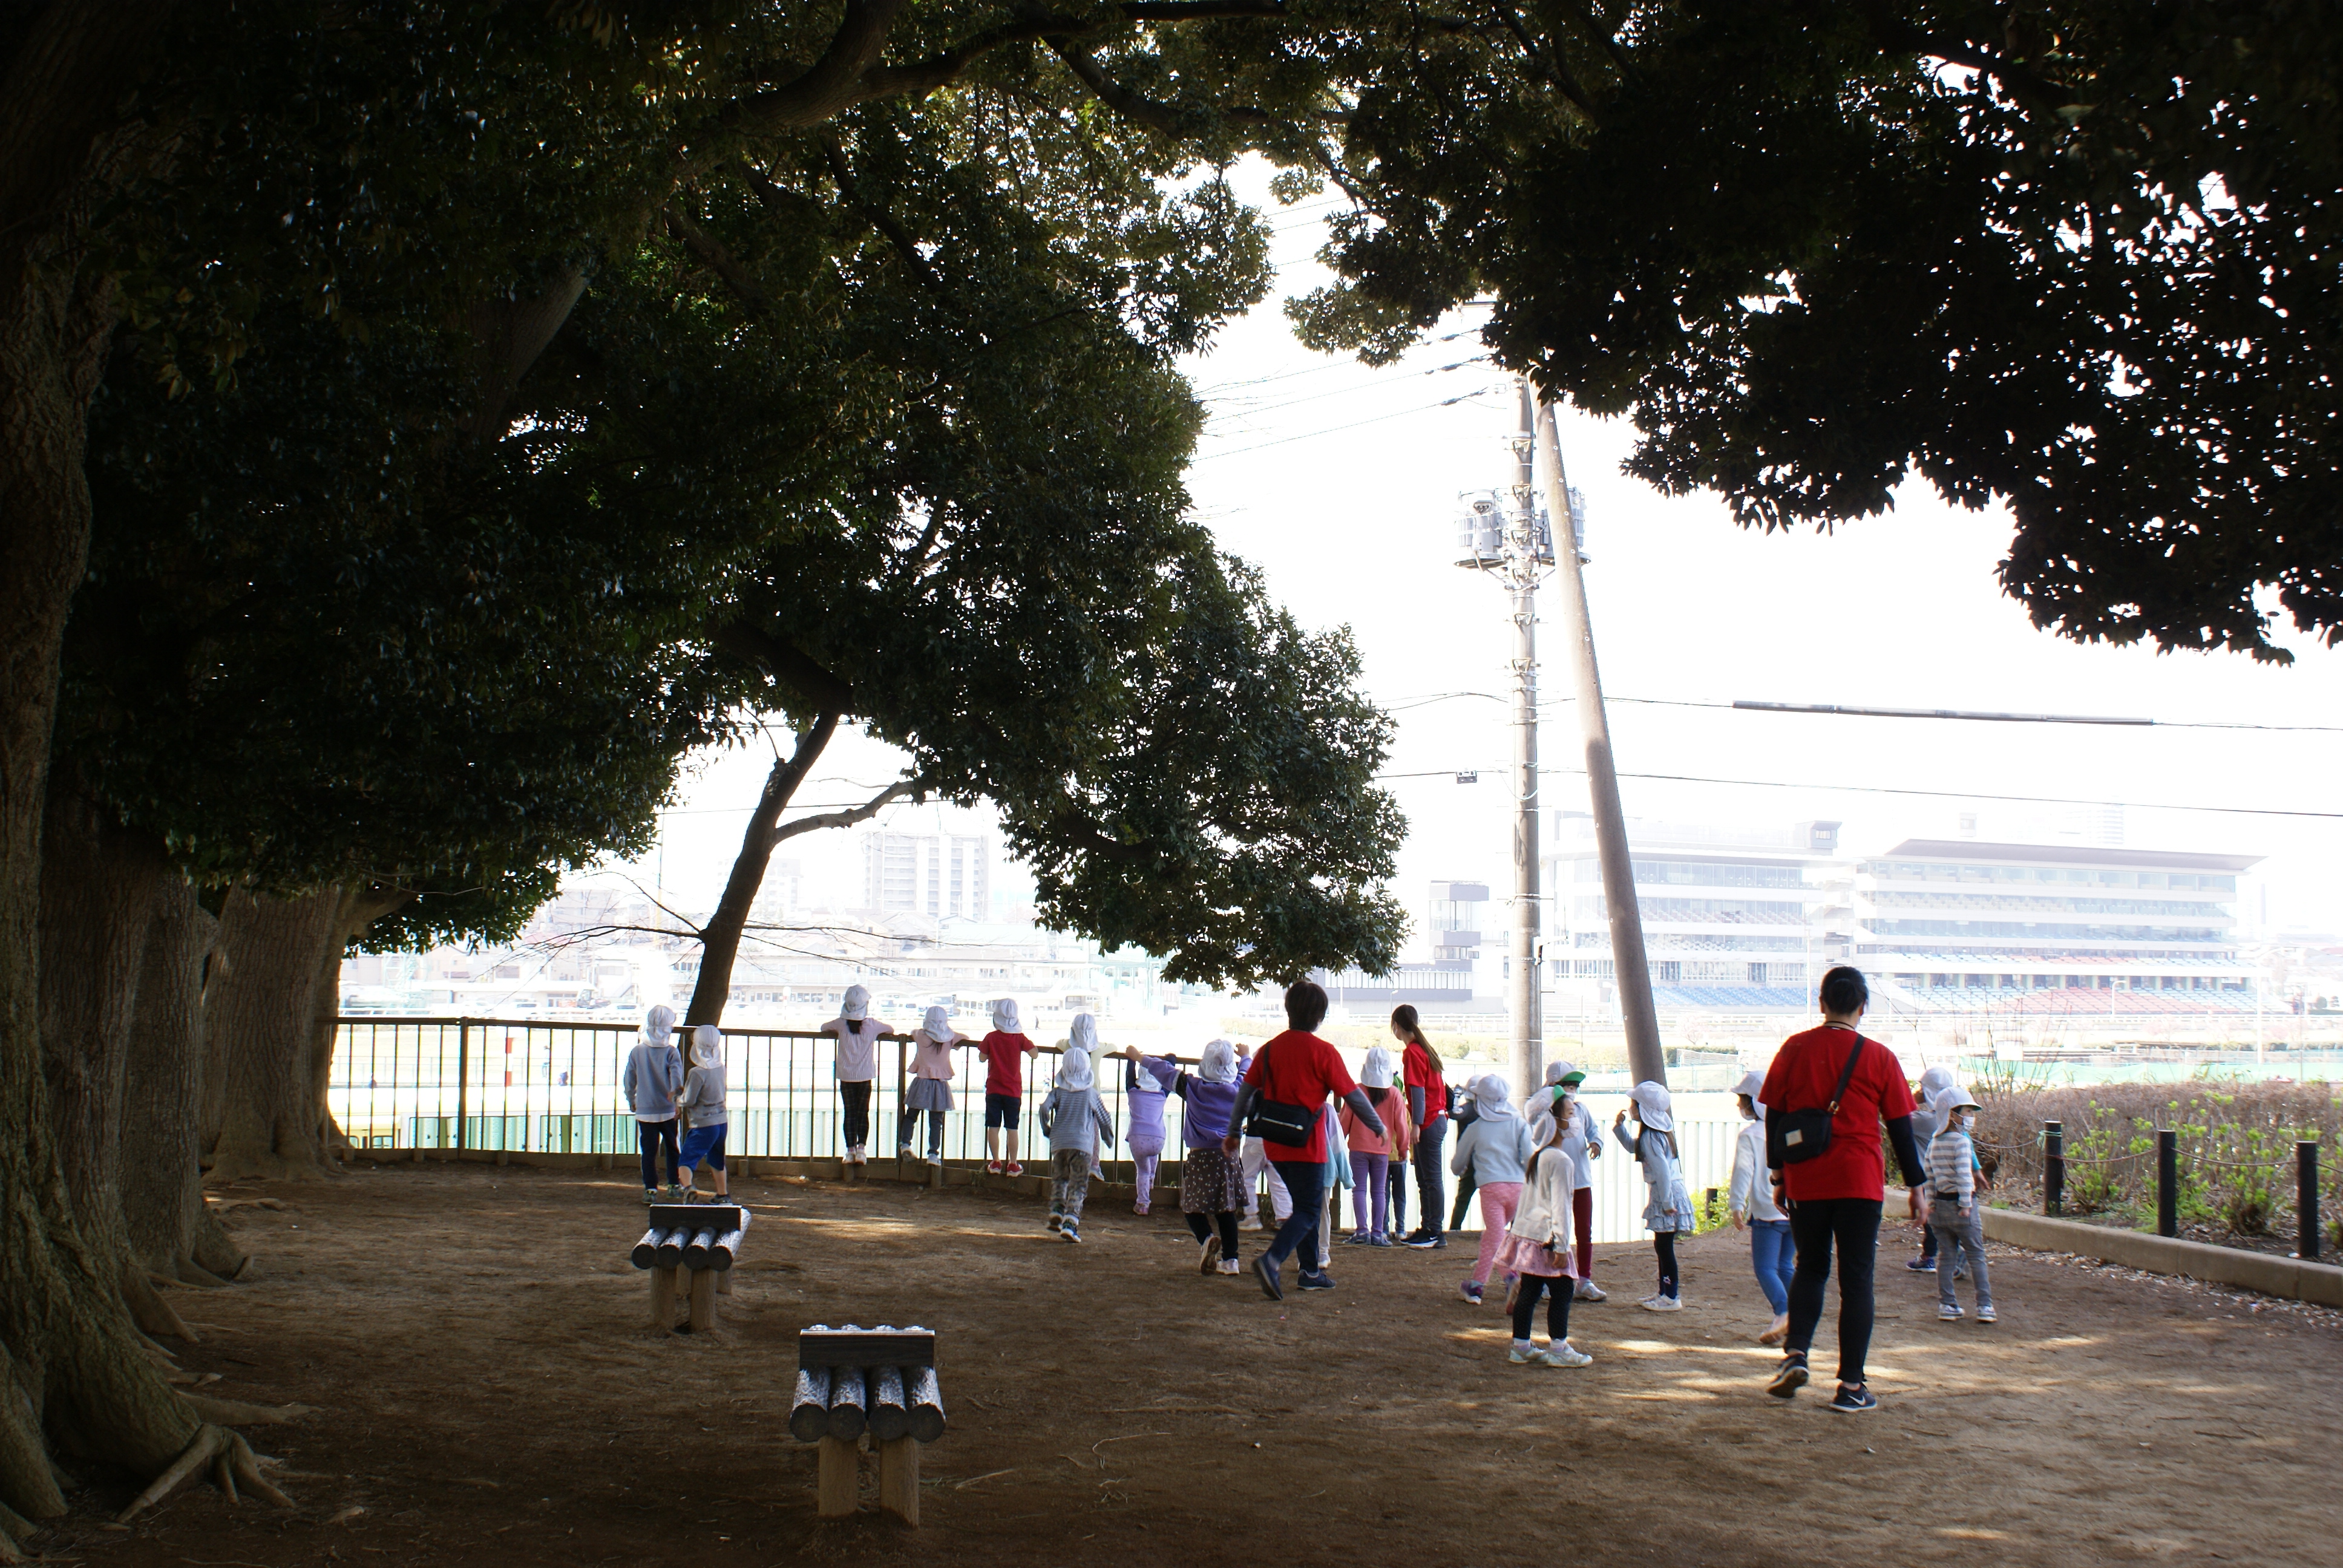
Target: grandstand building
x=1955, y=923
x=1729, y=914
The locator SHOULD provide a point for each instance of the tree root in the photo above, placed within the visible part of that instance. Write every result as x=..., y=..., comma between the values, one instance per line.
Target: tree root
x=8, y=1553
x=231, y=1460
x=150, y=1311
x=236, y=1413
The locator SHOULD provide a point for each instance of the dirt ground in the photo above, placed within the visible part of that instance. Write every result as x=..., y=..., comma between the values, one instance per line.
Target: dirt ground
x=488, y=1391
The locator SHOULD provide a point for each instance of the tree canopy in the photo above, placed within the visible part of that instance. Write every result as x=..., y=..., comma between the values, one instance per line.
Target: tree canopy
x=2077, y=254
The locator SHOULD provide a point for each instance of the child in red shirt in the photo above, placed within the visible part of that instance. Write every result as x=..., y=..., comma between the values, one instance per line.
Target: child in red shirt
x=1004, y=1051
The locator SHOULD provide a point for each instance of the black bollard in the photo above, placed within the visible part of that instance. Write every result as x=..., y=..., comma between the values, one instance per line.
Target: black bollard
x=2306, y=1196
x=2054, y=1168
x=2168, y=1181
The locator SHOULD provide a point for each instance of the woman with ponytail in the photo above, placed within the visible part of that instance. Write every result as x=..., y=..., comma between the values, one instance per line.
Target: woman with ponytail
x=1421, y=1072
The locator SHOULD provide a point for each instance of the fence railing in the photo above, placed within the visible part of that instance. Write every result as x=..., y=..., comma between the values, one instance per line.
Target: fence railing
x=399, y=1084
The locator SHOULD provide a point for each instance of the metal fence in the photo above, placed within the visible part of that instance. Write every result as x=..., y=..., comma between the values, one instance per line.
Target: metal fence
x=409, y=1083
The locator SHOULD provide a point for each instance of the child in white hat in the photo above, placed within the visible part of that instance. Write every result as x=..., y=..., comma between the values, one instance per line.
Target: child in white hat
x=1952, y=1211
x=857, y=1033
x=1668, y=1212
x=1004, y=1051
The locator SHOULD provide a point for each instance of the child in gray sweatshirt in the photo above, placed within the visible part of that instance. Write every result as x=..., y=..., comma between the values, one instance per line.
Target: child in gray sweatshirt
x=1073, y=1118
x=702, y=1104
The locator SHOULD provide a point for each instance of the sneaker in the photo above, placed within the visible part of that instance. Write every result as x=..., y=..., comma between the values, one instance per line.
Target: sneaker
x=1320, y=1281
x=1567, y=1354
x=1471, y=1291
x=1138, y=1208
x=904, y=1152
x=650, y=1196
x=1212, y=1254
x=1415, y=1238
x=992, y=1168
x=1266, y=1272
x=1431, y=1243
x=1529, y=1356
x=1922, y=1265
x=1588, y=1291
x=857, y=1155
x=1072, y=1231
x=1779, y=1332
x=1379, y=1240
x=1987, y=1315
x=1854, y=1401
x=1788, y=1378
x=676, y=1193
x=1662, y=1305
x=1231, y=1266
x=1356, y=1238
x=1948, y=1312
x=1057, y=1222
x=1014, y=1170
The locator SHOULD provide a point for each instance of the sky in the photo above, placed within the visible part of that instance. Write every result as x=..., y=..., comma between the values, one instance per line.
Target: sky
x=1342, y=484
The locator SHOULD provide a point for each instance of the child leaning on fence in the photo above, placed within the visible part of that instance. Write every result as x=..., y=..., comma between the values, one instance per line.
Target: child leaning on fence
x=857, y=1033
x=1953, y=1213
x=650, y=1080
x=702, y=1104
x=1073, y=1118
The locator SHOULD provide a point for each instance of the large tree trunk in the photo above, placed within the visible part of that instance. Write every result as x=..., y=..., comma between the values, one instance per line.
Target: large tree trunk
x=261, y=1104
x=73, y=1370
x=98, y=883
x=170, y=1229
x=719, y=940
x=361, y=907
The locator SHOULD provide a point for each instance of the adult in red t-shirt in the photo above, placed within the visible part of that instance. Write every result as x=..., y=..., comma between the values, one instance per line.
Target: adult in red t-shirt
x=1004, y=1051
x=1297, y=1068
x=1834, y=1199
x=1420, y=1070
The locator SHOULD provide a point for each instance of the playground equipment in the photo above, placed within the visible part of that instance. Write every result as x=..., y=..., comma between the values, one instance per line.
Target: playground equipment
x=881, y=1381
x=700, y=1239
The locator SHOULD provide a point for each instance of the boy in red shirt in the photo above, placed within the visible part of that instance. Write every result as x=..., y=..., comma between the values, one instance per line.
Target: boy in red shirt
x=1298, y=1069
x=1004, y=1051
x=1836, y=1198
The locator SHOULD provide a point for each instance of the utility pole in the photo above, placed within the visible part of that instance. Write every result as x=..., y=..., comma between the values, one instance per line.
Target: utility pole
x=1645, y=1059
x=1505, y=536
x=1527, y=1058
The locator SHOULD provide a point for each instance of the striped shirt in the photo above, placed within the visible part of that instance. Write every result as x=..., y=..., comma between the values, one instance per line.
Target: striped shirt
x=1951, y=1159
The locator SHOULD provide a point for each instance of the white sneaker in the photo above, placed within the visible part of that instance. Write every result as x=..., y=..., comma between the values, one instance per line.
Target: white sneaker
x=1588, y=1291
x=1661, y=1304
x=1949, y=1313
x=1987, y=1315
x=1231, y=1266
x=1567, y=1354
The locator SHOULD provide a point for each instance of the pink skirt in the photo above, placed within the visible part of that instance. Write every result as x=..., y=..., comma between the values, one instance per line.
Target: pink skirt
x=1520, y=1255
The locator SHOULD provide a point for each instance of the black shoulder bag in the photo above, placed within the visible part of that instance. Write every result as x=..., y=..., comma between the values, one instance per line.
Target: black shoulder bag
x=1798, y=1136
x=1275, y=1121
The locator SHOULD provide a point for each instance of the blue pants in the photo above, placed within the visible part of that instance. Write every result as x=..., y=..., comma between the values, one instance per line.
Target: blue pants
x=1775, y=1258
x=1306, y=1180
x=704, y=1146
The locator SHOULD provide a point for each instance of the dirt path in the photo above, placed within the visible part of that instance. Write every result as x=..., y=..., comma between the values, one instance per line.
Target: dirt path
x=488, y=1393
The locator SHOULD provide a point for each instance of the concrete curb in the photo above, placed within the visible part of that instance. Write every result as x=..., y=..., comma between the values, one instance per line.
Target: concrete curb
x=2290, y=1278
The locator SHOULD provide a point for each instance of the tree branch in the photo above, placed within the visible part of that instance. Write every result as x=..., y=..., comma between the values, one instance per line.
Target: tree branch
x=847, y=819
x=752, y=296
x=881, y=219
x=832, y=84
x=786, y=663
x=1555, y=71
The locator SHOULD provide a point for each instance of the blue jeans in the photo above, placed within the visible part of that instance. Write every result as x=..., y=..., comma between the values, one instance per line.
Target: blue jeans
x=1306, y=1180
x=1774, y=1257
x=704, y=1146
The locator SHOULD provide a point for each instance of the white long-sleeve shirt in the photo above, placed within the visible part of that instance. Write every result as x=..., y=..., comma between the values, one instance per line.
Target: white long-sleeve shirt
x=1752, y=1189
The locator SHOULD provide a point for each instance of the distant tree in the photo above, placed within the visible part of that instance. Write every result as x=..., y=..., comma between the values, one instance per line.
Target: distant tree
x=2075, y=254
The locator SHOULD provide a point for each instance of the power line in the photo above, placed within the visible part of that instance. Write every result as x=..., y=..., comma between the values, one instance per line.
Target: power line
x=1336, y=429
x=1402, y=705
x=1382, y=384
x=1890, y=789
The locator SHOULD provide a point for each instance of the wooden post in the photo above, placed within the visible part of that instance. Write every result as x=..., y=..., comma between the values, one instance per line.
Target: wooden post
x=723, y=1280
x=839, y=1479
x=703, y=1299
x=662, y=1297
x=899, y=1478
